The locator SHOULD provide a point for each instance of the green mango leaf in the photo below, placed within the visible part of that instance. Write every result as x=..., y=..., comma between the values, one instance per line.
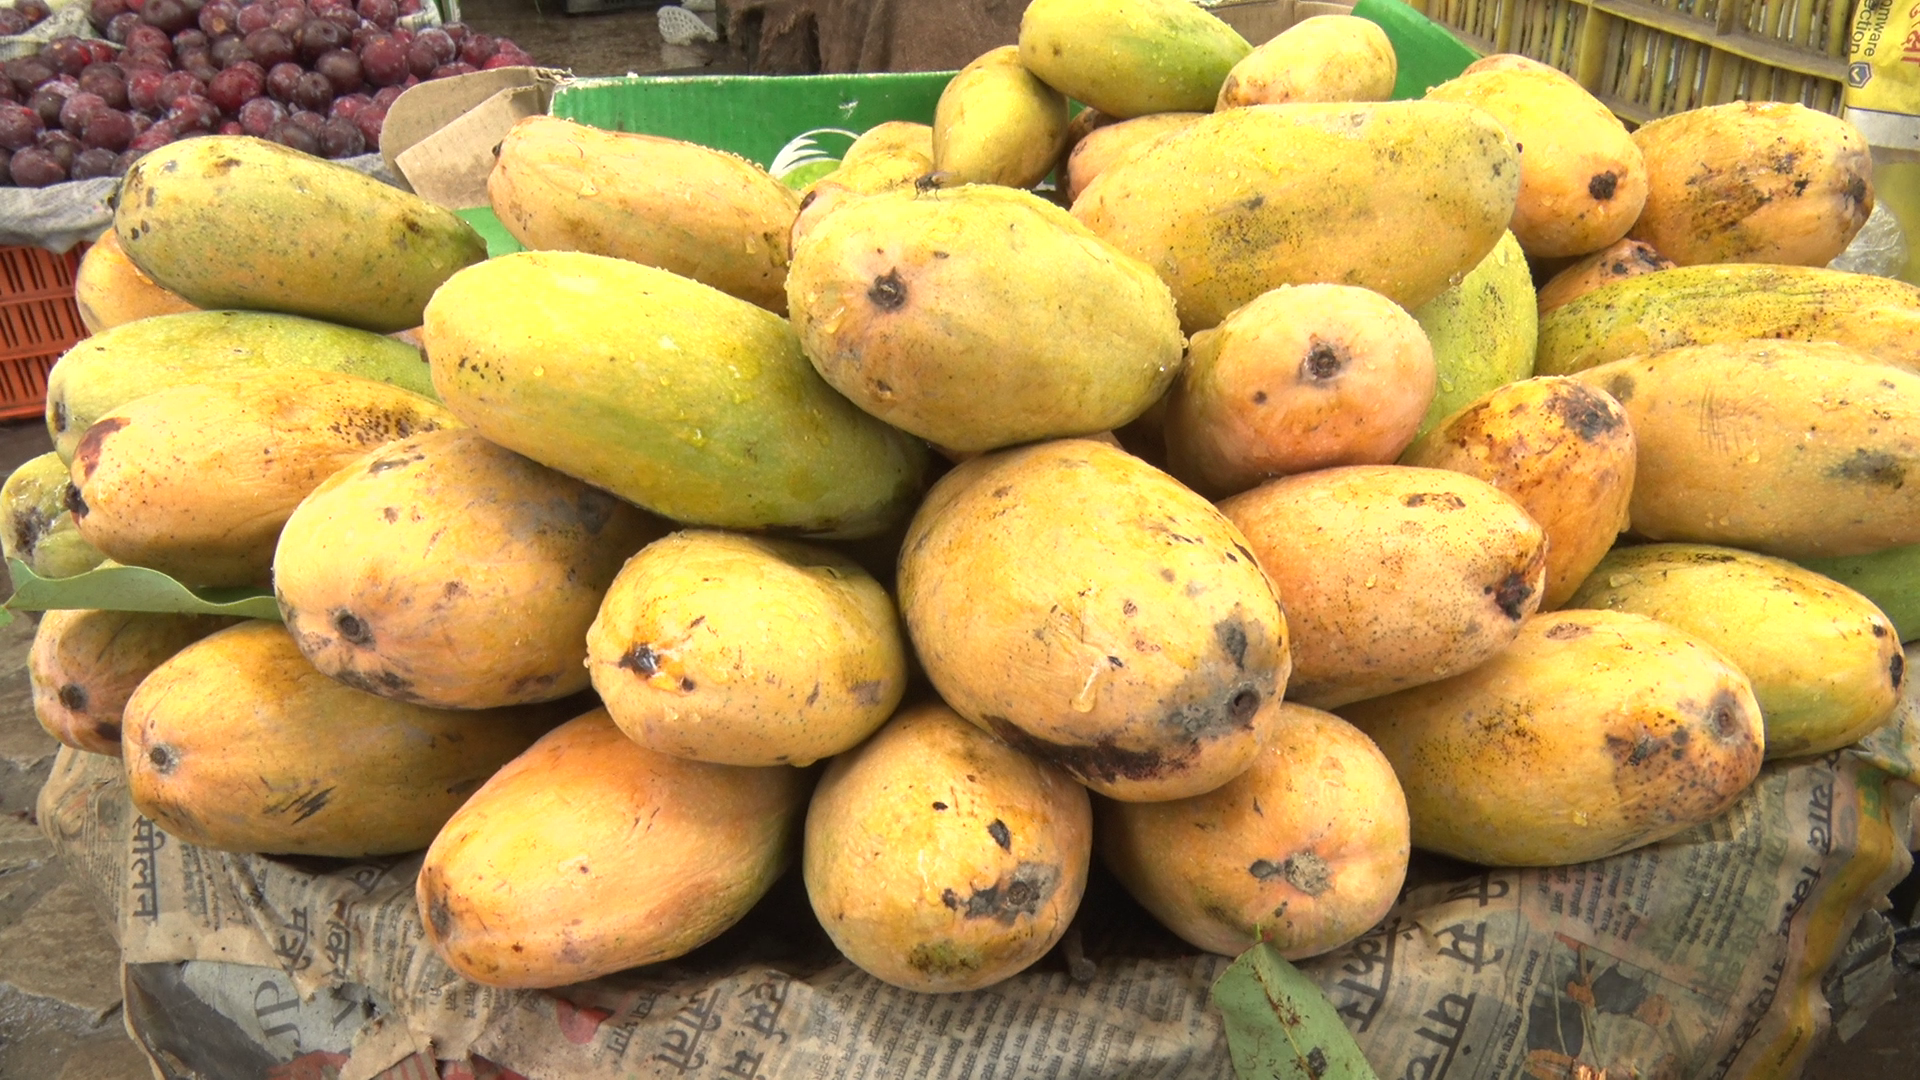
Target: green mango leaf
x=131, y=588
x=1280, y=1026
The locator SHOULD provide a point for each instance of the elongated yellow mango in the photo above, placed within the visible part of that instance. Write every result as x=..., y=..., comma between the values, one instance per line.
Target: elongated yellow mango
x=698, y=212
x=230, y=221
x=694, y=404
x=1253, y=198
x=1705, y=305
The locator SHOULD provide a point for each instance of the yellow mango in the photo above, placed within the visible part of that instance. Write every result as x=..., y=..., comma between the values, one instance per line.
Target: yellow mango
x=668, y=393
x=109, y=290
x=996, y=123
x=1773, y=446
x=1708, y=305
x=891, y=138
x=940, y=860
x=84, y=665
x=1753, y=181
x=1128, y=58
x=38, y=528
x=197, y=481
x=1890, y=578
x=1582, y=179
x=874, y=174
x=1559, y=448
x=1483, y=331
x=1391, y=576
x=1092, y=612
x=1824, y=662
x=1594, y=733
x=447, y=571
x=1617, y=262
x=744, y=651
x=1306, y=850
x=1250, y=199
x=1321, y=58
x=980, y=317
x=238, y=744
x=564, y=186
x=1113, y=142
x=590, y=854
x=229, y=221
x=1305, y=377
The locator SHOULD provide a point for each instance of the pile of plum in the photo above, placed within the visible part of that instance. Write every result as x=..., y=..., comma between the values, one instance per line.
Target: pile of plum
x=315, y=75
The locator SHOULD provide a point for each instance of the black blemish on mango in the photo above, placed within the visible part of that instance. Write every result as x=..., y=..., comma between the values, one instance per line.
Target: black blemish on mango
x=1621, y=387
x=1586, y=413
x=107, y=730
x=1304, y=871
x=641, y=660
x=593, y=509
x=1324, y=360
x=1103, y=760
x=1567, y=631
x=867, y=693
x=1897, y=668
x=439, y=913
x=1001, y=834
x=1875, y=467
x=351, y=628
x=888, y=292
x=1444, y=499
x=1603, y=185
x=1512, y=595
x=1232, y=636
x=385, y=683
x=1016, y=894
x=74, y=697
x=1723, y=714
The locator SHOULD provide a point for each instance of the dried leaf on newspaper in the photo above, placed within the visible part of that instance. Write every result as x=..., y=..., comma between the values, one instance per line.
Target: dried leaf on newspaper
x=1280, y=1026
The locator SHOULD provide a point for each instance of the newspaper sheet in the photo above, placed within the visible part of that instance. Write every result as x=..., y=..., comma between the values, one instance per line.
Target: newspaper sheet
x=1710, y=955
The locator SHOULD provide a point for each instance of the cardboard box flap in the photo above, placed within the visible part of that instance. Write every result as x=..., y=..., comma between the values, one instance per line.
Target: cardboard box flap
x=433, y=105
x=450, y=167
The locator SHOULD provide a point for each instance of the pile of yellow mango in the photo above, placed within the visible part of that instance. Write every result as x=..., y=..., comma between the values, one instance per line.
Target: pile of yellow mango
x=1248, y=520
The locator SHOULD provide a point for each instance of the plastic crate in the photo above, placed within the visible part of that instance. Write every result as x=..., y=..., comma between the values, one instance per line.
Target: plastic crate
x=39, y=320
x=1648, y=59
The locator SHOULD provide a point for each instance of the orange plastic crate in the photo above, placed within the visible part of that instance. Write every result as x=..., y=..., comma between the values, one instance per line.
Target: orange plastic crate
x=39, y=320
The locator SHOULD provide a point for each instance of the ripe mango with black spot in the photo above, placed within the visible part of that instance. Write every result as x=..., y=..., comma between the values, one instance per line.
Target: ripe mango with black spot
x=1710, y=305
x=1306, y=850
x=109, y=290
x=1559, y=448
x=1091, y=611
x=701, y=213
x=1322, y=58
x=1617, y=262
x=1582, y=178
x=196, y=481
x=1250, y=199
x=590, y=854
x=1753, y=181
x=1825, y=664
x=238, y=744
x=1890, y=578
x=1483, y=331
x=1128, y=58
x=668, y=393
x=940, y=860
x=38, y=528
x=1392, y=576
x=447, y=571
x=1779, y=447
x=981, y=317
x=105, y=371
x=230, y=221
x=746, y=651
x=1594, y=733
x=85, y=664
x=996, y=123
